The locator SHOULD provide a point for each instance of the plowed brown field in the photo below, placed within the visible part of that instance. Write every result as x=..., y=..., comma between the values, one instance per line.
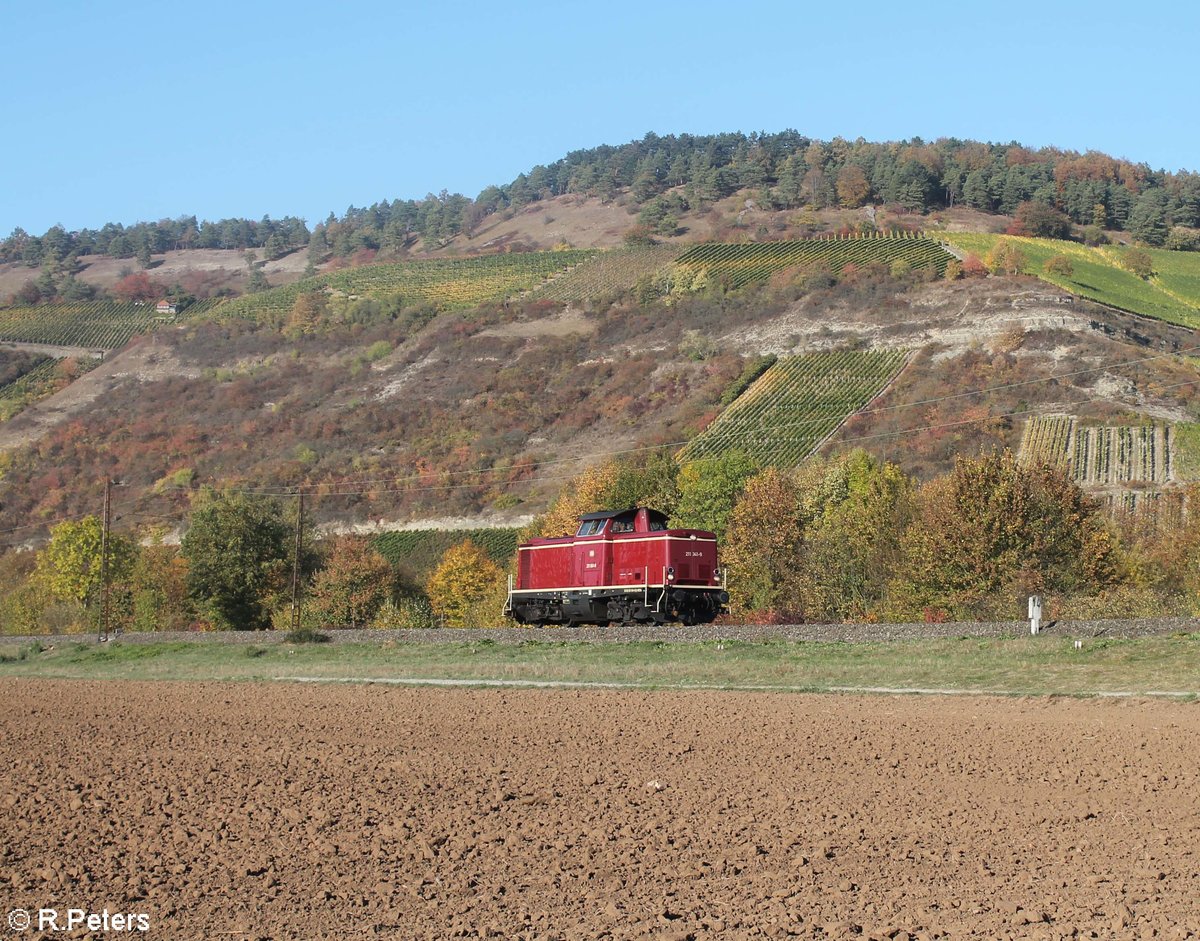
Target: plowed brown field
x=289, y=811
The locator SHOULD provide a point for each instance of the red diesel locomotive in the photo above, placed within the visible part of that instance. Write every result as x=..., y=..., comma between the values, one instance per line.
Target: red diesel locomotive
x=624, y=566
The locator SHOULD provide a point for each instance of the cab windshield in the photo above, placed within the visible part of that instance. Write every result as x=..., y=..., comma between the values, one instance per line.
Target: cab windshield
x=623, y=524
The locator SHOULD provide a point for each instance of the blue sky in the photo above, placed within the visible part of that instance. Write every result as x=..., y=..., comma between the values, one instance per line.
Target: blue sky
x=134, y=110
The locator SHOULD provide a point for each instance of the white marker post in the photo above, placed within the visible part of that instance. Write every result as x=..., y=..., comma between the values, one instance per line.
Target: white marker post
x=1035, y=613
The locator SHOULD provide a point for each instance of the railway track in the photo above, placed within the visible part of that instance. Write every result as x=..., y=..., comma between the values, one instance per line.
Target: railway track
x=840, y=633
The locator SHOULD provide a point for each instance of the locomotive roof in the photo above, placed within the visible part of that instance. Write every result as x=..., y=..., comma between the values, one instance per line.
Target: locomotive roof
x=609, y=514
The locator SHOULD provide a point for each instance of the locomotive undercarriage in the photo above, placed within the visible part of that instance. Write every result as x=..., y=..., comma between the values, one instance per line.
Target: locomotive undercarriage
x=620, y=606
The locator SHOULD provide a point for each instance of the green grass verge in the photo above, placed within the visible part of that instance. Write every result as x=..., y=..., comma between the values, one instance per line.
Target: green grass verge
x=1028, y=666
x=1172, y=294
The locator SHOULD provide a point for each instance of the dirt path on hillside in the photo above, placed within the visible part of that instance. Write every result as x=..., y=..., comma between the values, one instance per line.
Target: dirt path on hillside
x=58, y=352
x=247, y=811
x=143, y=361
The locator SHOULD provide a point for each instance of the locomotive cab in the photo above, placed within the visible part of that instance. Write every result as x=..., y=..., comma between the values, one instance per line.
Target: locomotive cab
x=621, y=565
x=639, y=520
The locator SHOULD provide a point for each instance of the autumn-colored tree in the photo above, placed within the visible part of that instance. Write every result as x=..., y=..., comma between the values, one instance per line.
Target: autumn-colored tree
x=1061, y=265
x=137, y=287
x=354, y=583
x=23, y=601
x=1183, y=239
x=27, y=293
x=1191, y=557
x=761, y=553
x=1138, y=261
x=639, y=236
x=1006, y=257
x=1039, y=220
x=973, y=267
x=853, y=187
x=857, y=512
x=308, y=310
x=70, y=565
x=993, y=527
x=1162, y=548
x=462, y=580
x=158, y=595
x=708, y=490
x=648, y=480
x=584, y=494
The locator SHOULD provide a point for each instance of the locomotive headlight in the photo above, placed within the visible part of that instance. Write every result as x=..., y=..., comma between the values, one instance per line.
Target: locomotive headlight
x=671, y=573
x=717, y=574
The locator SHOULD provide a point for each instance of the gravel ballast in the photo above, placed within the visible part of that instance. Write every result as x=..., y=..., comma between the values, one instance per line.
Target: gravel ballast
x=839, y=633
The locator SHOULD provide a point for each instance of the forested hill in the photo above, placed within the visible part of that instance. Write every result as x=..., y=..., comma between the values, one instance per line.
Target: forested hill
x=666, y=175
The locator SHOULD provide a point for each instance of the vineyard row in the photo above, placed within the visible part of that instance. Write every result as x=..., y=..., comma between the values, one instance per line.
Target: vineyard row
x=737, y=264
x=796, y=404
x=448, y=283
x=1100, y=456
x=95, y=326
x=419, y=551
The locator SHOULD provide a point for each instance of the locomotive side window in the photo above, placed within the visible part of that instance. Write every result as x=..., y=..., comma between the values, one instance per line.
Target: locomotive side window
x=657, y=527
x=590, y=527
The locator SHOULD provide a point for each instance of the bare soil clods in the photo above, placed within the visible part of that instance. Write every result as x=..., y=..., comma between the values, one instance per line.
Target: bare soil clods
x=300, y=812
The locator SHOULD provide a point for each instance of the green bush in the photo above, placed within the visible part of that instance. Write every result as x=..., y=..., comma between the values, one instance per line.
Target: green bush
x=411, y=612
x=378, y=350
x=1124, y=601
x=306, y=635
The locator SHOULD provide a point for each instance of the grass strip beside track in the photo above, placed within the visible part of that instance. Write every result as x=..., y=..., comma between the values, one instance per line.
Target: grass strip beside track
x=1018, y=666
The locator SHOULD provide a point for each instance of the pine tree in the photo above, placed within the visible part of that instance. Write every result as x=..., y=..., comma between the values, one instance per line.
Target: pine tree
x=1148, y=221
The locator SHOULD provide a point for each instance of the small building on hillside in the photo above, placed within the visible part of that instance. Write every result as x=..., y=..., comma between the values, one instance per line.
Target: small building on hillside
x=164, y=308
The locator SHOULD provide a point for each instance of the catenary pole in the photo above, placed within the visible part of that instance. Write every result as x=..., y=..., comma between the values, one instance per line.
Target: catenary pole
x=296, y=561
x=107, y=522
